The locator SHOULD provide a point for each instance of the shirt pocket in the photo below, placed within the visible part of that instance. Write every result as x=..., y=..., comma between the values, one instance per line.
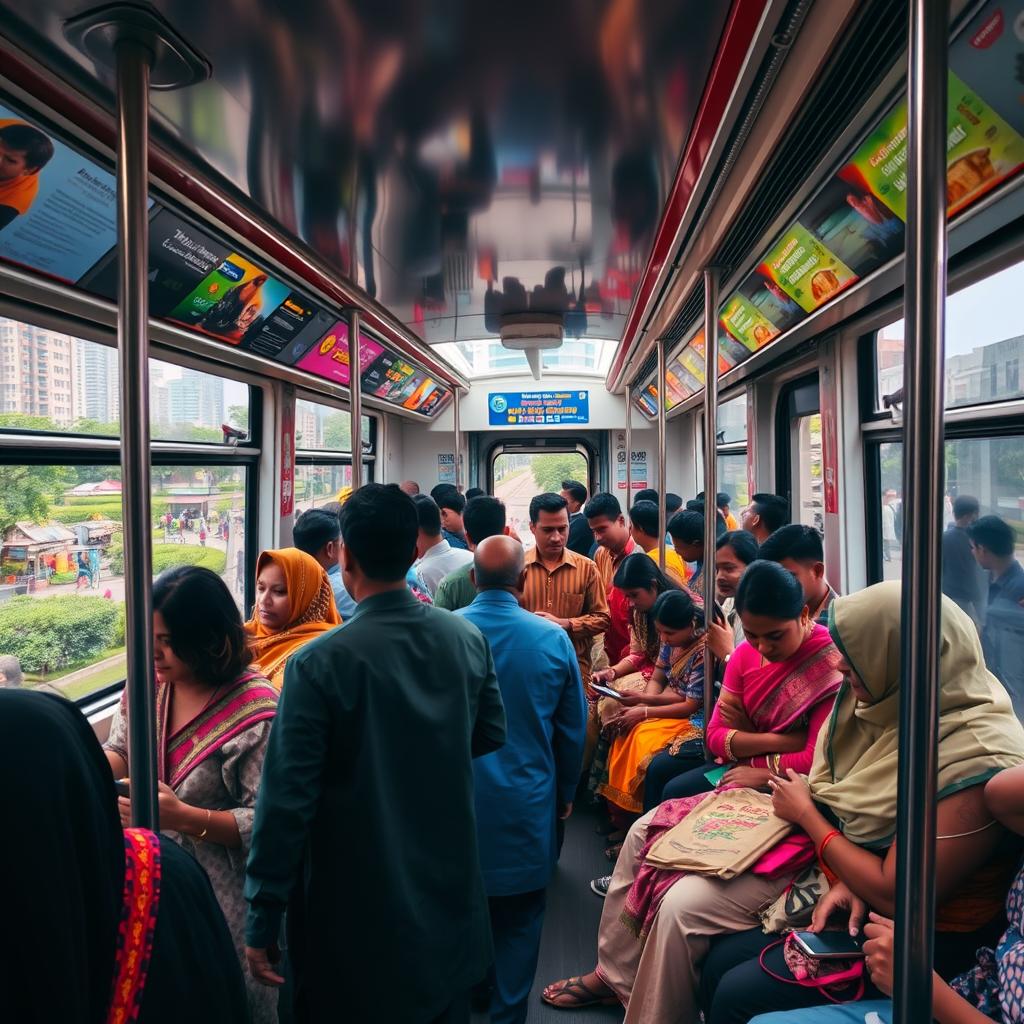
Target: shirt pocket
x=569, y=605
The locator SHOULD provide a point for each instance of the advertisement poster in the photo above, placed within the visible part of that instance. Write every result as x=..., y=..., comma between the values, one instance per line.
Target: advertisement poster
x=805, y=270
x=421, y=397
x=744, y=323
x=287, y=458
x=57, y=209
x=770, y=303
x=387, y=376
x=693, y=364
x=329, y=359
x=519, y=408
x=435, y=400
x=283, y=326
x=647, y=400
x=725, y=364
x=232, y=303
x=446, y=468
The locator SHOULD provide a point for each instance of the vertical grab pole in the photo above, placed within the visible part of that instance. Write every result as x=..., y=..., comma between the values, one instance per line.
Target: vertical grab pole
x=458, y=440
x=133, y=65
x=662, y=459
x=923, y=472
x=710, y=470
x=629, y=451
x=355, y=376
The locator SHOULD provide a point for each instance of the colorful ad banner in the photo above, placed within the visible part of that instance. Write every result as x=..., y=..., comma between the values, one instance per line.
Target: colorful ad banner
x=329, y=359
x=806, y=270
x=283, y=326
x=743, y=321
x=519, y=408
x=57, y=209
x=233, y=303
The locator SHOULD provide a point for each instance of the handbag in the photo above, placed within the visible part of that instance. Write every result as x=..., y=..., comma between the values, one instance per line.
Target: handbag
x=824, y=974
x=794, y=908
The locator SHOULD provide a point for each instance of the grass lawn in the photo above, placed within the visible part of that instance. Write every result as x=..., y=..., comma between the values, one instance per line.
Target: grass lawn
x=92, y=681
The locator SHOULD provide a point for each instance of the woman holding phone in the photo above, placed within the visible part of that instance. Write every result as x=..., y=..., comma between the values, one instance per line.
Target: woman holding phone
x=213, y=722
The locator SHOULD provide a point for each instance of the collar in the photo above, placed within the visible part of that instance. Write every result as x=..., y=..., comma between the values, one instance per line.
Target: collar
x=631, y=546
x=496, y=597
x=334, y=570
x=576, y=515
x=437, y=550
x=1012, y=570
x=532, y=559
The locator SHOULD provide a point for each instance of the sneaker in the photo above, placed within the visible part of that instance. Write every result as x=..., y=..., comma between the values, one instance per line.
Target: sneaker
x=599, y=886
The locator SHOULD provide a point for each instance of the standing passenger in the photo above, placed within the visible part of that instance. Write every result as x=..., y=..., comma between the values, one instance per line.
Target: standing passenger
x=643, y=525
x=562, y=586
x=484, y=517
x=452, y=505
x=410, y=487
x=294, y=605
x=765, y=514
x=318, y=533
x=581, y=540
x=388, y=912
x=889, y=536
x=614, y=544
x=798, y=548
x=437, y=558
x=521, y=788
x=962, y=578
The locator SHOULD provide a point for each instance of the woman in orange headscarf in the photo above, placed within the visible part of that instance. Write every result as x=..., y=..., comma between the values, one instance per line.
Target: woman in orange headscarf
x=294, y=604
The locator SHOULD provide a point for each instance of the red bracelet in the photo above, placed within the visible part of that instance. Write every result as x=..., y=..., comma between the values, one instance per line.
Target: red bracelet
x=823, y=846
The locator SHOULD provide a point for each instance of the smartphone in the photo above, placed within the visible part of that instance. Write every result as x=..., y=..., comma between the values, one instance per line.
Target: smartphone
x=716, y=775
x=829, y=945
x=606, y=691
x=121, y=785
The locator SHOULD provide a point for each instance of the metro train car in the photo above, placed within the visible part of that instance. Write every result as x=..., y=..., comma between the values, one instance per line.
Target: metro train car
x=256, y=257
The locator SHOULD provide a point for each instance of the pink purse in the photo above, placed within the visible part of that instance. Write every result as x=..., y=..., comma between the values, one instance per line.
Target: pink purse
x=826, y=975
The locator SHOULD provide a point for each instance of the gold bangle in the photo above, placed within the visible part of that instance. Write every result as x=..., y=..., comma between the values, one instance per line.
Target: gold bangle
x=646, y=709
x=202, y=835
x=728, y=744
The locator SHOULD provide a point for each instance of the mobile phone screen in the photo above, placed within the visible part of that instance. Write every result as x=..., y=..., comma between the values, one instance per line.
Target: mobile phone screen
x=605, y=691
x=829, y=944
x=122, y=788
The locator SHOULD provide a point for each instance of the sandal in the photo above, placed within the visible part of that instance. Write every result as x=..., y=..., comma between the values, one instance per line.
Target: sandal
x=579, y=994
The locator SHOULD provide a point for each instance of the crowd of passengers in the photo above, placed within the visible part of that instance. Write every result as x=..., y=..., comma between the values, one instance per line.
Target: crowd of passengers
x=363, y=788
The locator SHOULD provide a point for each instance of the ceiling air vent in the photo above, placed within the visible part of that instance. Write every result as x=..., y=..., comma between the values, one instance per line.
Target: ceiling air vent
x=531, y=333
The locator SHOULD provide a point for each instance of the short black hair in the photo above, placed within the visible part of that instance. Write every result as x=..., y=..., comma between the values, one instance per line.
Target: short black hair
x=673, y=502
x=743, y=543
x=647, y=494
x=204, y=623
x=602, y=504
x=576, y=489
x=992, y=533
x=380, y=526
x=773, y=510
x=451, y=500
x=687, y=527
x=697, y=505
x=428, y=515
x=675, y=609
x=722, y=499
x=798, y=542
x=474, y=492
x=25, y=138
x=484, y=517
x=547, y=502
x=641, y=572
x=644, y=514
x=769, y=590
x=440, y=489
x=965, y=505
x=315, y=528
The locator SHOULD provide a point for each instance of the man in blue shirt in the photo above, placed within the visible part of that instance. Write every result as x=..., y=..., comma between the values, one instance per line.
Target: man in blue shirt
x=522, y=788
x=318, y=533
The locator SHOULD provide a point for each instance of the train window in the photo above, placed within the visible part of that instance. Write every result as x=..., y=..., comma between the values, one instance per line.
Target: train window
x=732, y=420
x=984, y=345
x=732, y=450
x=53, y=382
x=518, y=476
x=798, y=453
x=327, y=428
x=62, y=560
x=317, y=484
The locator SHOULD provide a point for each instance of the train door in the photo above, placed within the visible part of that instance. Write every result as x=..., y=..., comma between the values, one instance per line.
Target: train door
x=798, y=456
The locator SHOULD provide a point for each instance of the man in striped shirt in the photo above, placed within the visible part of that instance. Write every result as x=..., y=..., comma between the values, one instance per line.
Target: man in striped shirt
x=561, y=586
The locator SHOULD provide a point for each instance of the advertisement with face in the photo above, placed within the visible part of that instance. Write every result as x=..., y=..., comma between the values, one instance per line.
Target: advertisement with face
x=233, y=303
x=769, y=302
x=806, y=270
x=329, y=358
x=744, y=323
x=57, y=209
x=387, y=376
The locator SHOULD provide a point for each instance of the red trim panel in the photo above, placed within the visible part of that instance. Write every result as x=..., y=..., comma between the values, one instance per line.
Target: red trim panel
x=167, y=170
x=739, y=33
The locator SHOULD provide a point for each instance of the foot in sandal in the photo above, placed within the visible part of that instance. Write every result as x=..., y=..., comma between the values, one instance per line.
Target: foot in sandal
x=575, y=993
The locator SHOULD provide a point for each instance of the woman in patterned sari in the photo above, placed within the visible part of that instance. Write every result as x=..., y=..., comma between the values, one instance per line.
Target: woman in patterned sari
x=213, y=722
x=666, y=714
x=294, y=604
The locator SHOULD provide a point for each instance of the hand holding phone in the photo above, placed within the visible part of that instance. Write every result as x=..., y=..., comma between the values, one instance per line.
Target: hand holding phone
x=606, y=691
x=122, y=787
x=829, y=945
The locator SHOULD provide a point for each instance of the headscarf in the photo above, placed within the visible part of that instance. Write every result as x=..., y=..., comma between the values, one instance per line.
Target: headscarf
x=854, y=770
x=62, y=859
x=312, y=612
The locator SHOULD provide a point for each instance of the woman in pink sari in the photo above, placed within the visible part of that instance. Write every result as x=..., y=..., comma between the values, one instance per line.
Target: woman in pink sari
x=657, y=924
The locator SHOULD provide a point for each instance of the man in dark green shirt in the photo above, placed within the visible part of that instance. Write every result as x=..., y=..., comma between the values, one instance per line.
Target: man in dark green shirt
x=483, y=517
x=365, y=824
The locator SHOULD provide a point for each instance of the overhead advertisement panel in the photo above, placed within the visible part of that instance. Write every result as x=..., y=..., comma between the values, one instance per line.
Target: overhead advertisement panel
x=57, y=209
x=856, y=222
x=538, y=408
x=329, y=358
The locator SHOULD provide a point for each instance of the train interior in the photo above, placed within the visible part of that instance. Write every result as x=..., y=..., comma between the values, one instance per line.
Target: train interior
x=526, y=217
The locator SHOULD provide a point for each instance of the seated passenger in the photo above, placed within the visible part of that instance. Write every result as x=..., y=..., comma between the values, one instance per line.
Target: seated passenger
x=213, y=719
x=643, y=525
x=389, y=914
x=77, y=907
x=765, y=514
x=666, y=714
x=849, y=810
x=854, y=777
x=734, y=552
x=484, y=517
x=799, y=549
x=437, y=558
x=318, y=533
x=687, y=531
x=779, y=687
x=294, y=604
x=992, y=990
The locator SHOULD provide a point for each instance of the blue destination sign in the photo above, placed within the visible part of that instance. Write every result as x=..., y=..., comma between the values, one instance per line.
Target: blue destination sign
x=538, y=408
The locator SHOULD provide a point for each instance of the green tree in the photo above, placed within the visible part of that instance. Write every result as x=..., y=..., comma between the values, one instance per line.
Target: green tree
x=338, y=431
x=550, y=470
x=26, y=492
x=238, y=416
